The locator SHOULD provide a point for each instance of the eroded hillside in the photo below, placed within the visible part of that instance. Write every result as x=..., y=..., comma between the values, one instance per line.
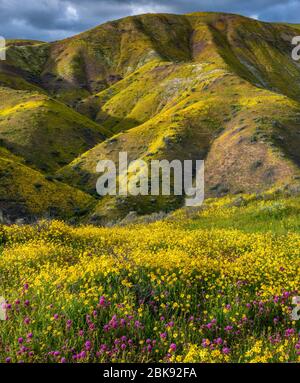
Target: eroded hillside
x=218, y=87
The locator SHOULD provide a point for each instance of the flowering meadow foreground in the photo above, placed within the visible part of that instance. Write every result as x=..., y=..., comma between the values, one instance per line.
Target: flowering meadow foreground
x=213, y=286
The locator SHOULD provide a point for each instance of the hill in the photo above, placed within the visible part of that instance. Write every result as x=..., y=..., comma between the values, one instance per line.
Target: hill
x=26, y=195
x=45, y=132
x=159, y=86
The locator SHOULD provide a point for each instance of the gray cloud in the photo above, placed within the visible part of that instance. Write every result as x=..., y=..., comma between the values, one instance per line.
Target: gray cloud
x=55, y=19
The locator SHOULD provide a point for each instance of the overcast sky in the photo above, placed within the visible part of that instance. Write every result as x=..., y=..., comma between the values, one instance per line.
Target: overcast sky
x=56, y=19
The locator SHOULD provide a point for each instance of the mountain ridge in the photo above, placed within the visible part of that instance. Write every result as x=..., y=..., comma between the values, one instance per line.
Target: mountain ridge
x=162, y=86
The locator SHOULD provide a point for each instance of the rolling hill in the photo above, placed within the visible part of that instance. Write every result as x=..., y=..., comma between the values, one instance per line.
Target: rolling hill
x=211, y=86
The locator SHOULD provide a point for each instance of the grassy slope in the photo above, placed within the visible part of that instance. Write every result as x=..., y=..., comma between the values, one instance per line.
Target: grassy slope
x=95, y=59
x=25, y=192
x=255, y=51
x=46, y=133
x=204, y=108
x=269, y=212
x=92, y=61
x=22, y=42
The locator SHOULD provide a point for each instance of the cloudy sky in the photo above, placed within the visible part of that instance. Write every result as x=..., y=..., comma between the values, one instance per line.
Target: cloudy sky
x=56, y=19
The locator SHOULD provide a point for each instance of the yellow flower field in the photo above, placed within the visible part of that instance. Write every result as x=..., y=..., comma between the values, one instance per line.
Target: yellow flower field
x=174, y=290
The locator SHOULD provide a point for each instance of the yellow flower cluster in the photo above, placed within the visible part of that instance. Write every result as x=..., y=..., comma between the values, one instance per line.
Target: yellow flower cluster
x=207, y=291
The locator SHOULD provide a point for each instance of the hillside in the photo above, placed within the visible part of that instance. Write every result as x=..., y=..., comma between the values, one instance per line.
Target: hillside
x=26, y=193
x=43, y=131
x=211, y=86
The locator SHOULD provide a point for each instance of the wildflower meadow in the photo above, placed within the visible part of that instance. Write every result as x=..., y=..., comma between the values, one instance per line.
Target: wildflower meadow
x=203, y=288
